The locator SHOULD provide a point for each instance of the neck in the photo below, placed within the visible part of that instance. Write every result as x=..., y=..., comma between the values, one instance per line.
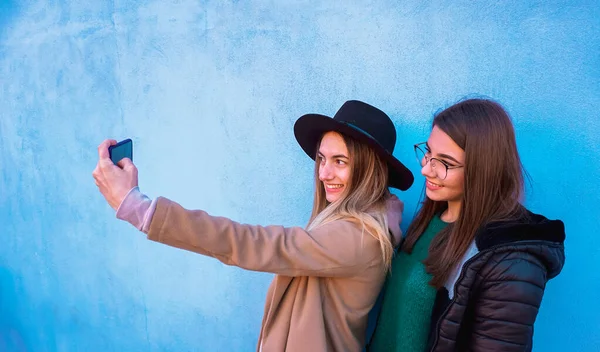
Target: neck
x=451, y=214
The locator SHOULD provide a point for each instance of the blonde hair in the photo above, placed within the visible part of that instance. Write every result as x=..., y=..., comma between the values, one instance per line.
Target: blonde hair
x=363, y=201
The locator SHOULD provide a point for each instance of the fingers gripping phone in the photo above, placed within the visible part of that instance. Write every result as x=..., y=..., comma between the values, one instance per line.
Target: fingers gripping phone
x=123, y=149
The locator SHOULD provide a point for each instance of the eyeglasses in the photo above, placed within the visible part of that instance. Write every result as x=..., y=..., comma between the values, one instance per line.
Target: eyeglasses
x=439, y=166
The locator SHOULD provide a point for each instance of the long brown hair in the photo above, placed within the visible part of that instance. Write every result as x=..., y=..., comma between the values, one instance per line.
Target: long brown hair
x=493, y=182
x=363, y=201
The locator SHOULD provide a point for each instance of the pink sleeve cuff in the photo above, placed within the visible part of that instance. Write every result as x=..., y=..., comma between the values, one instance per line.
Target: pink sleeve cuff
x=137, y=209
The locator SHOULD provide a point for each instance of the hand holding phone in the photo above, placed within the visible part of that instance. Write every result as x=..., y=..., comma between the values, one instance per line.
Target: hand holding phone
x=115, y=182
x=123, y=149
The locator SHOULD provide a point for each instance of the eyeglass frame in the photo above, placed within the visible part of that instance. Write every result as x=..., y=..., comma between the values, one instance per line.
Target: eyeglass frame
x=428, y=159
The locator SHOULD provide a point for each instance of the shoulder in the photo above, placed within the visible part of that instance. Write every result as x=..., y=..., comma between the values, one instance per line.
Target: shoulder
x=346, y=226
x=347, y=234
x=350, y=230
x=519, y=263
x=529, y=242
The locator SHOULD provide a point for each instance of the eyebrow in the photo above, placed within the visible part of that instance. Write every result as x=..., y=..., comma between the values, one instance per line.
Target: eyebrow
x=445, y=156
x=334, y=156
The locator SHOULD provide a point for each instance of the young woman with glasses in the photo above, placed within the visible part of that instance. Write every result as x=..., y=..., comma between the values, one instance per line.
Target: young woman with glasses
x=472, y=269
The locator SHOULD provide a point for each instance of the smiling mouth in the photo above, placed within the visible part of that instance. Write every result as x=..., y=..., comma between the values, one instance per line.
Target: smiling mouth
x=333, y=187
x=433, y=184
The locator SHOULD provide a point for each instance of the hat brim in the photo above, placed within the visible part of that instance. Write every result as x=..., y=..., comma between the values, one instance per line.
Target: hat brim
x=309, y=129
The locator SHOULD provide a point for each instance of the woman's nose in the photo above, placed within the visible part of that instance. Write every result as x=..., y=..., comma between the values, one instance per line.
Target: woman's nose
x=426, y=170
x=325, y=172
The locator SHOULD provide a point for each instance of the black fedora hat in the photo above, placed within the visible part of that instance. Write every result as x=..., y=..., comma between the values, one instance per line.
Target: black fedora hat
x=362, y=122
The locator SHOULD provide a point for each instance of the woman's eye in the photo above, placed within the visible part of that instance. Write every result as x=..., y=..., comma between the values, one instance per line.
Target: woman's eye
x=340, y=162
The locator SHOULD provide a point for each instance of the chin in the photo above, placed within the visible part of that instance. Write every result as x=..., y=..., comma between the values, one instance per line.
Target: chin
x=443, y=196
x=331, y=199
x=436, y=196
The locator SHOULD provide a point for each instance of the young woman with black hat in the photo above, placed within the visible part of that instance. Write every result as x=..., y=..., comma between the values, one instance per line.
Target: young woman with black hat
x=473, y=268
x=330, y=273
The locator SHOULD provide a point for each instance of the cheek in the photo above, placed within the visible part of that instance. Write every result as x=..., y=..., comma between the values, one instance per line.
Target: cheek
x=345, y=175
x=455, y=185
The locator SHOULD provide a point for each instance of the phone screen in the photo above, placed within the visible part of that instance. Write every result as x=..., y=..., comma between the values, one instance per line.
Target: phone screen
x=123, y=149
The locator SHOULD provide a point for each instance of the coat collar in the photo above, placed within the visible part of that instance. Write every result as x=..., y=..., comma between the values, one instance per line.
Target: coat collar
x=527, y=227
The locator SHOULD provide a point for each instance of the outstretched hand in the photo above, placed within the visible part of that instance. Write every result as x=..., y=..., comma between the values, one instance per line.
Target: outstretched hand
x=114, y=182
x=395, y=207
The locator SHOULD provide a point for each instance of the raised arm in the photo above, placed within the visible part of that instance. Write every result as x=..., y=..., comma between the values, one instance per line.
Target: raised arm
x=339, y=248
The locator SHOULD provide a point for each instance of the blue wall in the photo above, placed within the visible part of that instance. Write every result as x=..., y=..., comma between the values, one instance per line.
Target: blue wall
x=209, y=92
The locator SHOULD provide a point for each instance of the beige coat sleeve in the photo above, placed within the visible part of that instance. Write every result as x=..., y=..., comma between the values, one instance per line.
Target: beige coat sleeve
x=339, y=248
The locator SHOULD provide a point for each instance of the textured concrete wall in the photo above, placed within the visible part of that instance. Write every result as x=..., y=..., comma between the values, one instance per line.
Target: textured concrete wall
x=209, y=92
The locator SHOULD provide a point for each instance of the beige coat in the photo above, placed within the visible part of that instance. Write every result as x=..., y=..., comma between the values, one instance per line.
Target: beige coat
x=327, y=279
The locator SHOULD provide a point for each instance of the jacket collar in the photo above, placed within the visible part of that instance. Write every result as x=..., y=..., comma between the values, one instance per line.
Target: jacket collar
x=527, y=227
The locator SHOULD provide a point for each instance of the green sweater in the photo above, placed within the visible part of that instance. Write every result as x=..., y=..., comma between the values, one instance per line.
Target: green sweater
x=403, y=323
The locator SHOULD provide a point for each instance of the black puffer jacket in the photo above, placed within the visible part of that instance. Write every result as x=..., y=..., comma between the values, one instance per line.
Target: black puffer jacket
x=496, y=297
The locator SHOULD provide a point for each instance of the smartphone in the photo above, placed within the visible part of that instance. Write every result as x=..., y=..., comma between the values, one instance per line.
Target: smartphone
x=123, y=149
